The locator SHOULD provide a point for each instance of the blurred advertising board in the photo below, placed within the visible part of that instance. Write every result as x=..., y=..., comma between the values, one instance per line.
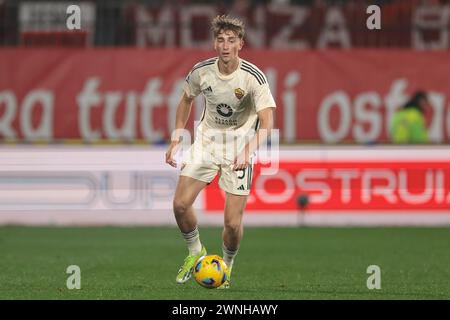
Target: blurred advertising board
x=132, y=94
x=377, y=185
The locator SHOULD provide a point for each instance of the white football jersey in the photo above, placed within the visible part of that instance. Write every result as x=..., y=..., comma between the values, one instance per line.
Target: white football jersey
x=231, y=102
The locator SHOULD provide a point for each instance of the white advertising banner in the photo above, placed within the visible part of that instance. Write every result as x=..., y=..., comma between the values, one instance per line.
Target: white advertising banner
x=132, y=185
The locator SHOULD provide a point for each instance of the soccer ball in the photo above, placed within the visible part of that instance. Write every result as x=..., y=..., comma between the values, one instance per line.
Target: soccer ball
x=210, y=271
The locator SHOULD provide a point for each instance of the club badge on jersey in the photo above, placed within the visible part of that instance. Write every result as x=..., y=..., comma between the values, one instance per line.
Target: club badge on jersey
x=239, y=93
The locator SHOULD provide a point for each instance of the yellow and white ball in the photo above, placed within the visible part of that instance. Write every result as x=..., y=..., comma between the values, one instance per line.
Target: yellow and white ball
x=210, y=271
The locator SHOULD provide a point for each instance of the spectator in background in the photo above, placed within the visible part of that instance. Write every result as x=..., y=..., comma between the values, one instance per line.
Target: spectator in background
x=408, y=124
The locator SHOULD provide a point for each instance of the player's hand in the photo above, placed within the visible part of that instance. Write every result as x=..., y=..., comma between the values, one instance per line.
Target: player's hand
x=171, y=151
x=242, y=161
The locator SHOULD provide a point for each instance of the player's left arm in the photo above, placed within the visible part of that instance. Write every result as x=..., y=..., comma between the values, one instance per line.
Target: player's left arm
x=265, y=117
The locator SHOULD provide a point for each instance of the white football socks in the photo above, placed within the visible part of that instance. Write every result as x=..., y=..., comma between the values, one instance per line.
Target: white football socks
x=192, y=239
x=228, y=255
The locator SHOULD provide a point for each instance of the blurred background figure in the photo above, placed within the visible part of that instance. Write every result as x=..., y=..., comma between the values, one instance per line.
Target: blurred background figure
x=408, y=124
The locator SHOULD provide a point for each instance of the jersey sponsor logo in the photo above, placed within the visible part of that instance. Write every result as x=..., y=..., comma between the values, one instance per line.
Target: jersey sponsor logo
x=239, y=93
x=224, y=110
x=227, y=122
x=241, y=187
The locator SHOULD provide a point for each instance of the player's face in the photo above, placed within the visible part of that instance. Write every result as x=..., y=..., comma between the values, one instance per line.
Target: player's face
x=228, y=44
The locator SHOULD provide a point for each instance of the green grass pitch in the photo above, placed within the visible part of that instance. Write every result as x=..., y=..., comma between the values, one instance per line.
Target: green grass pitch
x=273, y=263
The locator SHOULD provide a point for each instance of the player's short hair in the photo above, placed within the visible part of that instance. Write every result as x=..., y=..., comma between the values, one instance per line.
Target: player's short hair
x=224, y=22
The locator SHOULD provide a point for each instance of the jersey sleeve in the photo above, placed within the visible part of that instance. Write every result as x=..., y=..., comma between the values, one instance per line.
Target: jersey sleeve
x=192, y=84
x=263, y=97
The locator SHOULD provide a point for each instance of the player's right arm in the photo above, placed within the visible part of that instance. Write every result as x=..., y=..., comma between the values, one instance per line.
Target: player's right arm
x=182, y=115
x=191, y=89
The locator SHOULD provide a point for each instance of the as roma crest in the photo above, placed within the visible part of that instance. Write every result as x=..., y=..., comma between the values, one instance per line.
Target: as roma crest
x=239, y=93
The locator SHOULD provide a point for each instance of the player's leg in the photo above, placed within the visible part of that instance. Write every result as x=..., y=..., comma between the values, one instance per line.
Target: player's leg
x=186, y=192
x=193, y=178
x=233, y=231
x=233, y=228
x=236, y=184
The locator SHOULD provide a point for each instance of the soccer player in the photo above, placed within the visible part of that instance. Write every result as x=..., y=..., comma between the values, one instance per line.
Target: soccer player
x=238, y=108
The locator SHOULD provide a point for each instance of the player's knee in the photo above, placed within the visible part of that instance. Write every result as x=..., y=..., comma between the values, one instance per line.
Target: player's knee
x=233, y=226
x=180, y=207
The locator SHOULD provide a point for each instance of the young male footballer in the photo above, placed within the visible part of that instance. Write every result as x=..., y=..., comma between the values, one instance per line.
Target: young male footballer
x=237, y=118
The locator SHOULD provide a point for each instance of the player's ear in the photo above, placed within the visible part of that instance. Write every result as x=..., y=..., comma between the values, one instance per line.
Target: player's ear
x=241, y=44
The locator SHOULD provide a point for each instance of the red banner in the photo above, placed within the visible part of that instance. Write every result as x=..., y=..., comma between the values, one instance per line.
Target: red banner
x=335, y=186
x=351, y=24
x=129, y=94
